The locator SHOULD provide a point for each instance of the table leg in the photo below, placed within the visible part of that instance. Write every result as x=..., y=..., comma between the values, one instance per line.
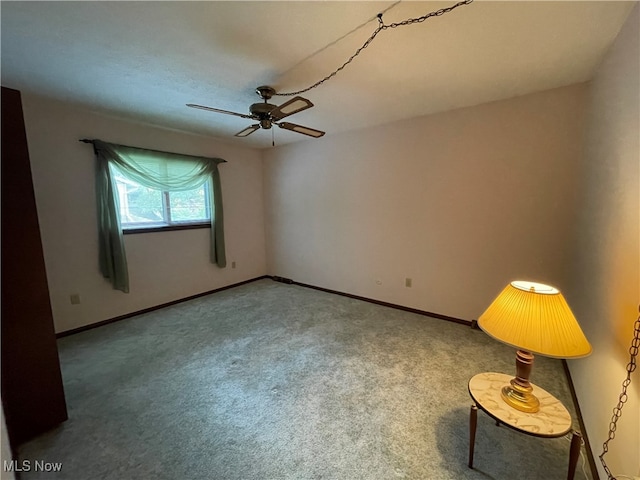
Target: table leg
x=574, y=454
x=473, y=423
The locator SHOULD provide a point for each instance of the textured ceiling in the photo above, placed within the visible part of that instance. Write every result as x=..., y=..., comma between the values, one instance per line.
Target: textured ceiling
x=146, y=60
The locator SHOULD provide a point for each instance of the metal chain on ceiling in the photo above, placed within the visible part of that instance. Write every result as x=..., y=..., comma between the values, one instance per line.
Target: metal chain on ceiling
x=381, y=26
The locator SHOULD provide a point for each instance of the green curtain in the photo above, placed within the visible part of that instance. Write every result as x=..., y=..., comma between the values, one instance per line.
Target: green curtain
x=157, y=170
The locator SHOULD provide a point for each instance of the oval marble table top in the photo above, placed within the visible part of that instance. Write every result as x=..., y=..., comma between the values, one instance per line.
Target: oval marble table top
x=552, y=420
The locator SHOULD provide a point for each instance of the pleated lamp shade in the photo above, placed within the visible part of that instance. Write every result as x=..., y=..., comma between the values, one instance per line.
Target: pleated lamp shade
x=535, y=318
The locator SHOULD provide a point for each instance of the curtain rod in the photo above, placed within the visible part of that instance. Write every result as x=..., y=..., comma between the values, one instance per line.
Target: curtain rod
x=86, y=140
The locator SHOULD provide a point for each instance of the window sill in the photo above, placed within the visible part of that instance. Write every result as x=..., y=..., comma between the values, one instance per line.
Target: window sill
x=165, y=228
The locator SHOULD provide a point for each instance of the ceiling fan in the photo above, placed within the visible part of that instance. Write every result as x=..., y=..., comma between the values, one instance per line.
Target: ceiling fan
x=268, y=114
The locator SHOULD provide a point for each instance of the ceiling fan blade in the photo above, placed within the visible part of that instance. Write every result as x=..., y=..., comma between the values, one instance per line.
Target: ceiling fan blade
x=248, y=130
x=300, y=129
x=217, y=110
x=295, y=105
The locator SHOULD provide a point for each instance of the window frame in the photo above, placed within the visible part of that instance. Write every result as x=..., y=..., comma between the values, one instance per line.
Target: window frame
x=165, y=228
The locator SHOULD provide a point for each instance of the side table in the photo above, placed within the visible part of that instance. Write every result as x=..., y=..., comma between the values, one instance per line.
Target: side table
x=551, y=421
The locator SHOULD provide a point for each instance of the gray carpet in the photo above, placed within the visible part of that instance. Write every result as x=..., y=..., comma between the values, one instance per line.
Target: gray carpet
x=275, y=381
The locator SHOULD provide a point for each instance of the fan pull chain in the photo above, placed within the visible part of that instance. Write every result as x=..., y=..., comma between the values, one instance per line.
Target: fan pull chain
x=273, y=138
x=381, y=26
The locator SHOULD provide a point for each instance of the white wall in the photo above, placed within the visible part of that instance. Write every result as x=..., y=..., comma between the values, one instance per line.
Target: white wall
x=605, y=286
x=163, y=266
x=461, y=202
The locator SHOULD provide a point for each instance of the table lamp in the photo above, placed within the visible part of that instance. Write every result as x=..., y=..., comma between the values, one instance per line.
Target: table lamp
x=534, y=318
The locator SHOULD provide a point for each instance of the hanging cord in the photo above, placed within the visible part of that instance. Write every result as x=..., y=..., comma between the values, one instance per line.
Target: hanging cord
x=381, y=26
x=622, y=399
x=353, y=30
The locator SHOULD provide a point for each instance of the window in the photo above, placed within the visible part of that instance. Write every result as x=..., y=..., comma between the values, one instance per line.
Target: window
x=143, y=208
x=131, y=188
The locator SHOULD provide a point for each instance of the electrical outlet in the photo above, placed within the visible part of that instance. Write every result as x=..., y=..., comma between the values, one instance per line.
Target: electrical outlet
x=233, y=264
x=407, y=282
x=75, y=298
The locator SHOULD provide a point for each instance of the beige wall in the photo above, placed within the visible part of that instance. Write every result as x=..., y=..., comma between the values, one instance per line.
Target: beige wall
x=162, y=266
x=461, y=202
x=605, y=286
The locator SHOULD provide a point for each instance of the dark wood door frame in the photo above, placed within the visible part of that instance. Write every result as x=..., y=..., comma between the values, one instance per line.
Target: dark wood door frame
x=32, y=391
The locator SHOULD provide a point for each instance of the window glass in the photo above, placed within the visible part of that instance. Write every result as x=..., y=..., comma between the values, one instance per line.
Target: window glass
x=190, y=205
x=142, y=207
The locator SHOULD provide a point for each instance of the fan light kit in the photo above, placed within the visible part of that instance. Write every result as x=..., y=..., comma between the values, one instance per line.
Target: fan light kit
x=268, y=114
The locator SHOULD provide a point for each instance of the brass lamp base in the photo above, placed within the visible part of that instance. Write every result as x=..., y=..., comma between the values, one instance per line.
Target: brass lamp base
x=520, y=399
x=519, y=393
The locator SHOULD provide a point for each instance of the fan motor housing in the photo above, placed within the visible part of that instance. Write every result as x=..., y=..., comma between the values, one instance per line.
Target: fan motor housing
x=261, y=109
x=262, y=112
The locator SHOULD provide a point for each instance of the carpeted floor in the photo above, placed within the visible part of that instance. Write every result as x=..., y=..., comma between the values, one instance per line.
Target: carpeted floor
x=275, y=381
